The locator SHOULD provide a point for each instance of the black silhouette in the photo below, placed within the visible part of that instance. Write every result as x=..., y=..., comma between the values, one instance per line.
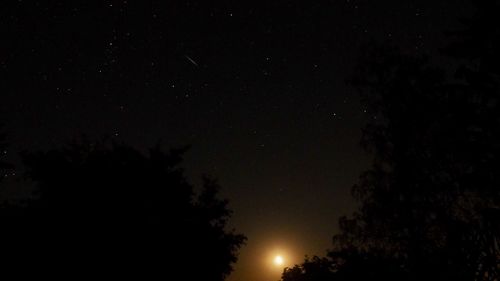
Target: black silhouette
x=432, y=192
x=345, y=265
x=312, y=269
x=109, y=210
x=430, y=205
x=4, y=165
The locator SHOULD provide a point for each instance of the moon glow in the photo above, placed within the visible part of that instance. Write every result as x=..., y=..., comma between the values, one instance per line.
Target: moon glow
x=278, y=260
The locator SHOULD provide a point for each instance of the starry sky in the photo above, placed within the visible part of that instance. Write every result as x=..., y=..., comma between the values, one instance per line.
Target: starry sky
x=257, y=89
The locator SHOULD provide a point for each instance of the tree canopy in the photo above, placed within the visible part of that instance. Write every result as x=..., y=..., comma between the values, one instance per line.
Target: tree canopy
x=108, y=209
x=4, y=165
x=430, y=203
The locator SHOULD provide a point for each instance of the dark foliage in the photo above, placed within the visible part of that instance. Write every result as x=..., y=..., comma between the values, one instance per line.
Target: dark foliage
x=430, y=204
x=109, y=210
x=346, y=265
x=4, y=165
x=432, y=198
x=319, y=269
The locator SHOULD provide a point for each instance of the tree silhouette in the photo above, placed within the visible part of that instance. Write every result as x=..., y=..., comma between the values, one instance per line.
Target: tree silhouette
x=409, y=194
x=476, y=46
x=317, y=269
x=346, y=265
x=108, y=209
x=432, y=198
x=433, y=181
x=4, y=165
x=430, y=204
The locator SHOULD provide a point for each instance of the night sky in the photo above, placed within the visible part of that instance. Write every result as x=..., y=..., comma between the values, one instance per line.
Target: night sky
x=257, y=89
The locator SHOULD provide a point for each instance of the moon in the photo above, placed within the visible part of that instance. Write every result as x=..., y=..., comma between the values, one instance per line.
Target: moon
x=278, y=260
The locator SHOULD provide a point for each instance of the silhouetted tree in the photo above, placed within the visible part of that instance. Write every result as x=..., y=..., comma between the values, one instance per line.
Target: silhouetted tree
x=346, y=265
x=317, y=269
x=476, y=46
x=110, y=210
x=4, y=165
x=353, y=264
x=407, y=196
x=432, y=197
x=430, y=204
